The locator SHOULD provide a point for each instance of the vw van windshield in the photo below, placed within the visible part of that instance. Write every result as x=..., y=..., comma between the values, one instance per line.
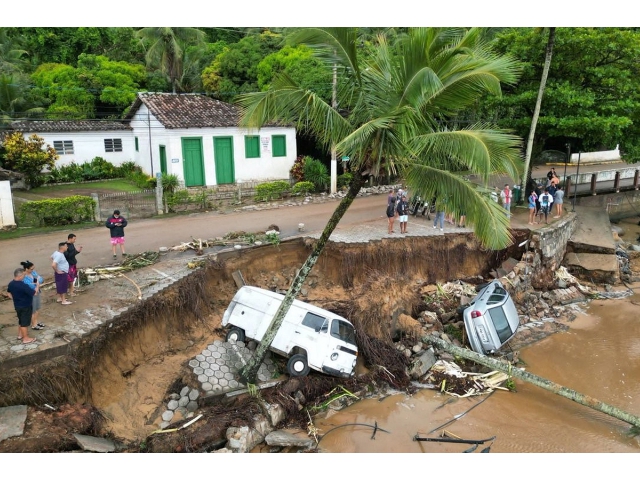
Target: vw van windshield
x=343, y=330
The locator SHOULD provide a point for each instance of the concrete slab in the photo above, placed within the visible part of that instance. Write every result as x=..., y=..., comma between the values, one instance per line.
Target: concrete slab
x=94, y=444
x=590, y=235
x=599, y=268
x=12, y=421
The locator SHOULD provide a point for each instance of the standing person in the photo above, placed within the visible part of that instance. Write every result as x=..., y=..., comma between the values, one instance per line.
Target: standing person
x=403, y=212
x=533, y=199
x=391, y=209
x=545, y=204
x=70, y=255
x=60, y=272
x=550, y=174
x=506, y=196
x=34, y=281
x=116, y=223
x=440, y=207
x=22, y=296
x=558, y=200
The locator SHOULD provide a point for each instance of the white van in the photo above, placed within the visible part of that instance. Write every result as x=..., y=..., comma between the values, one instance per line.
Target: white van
x=310, y=336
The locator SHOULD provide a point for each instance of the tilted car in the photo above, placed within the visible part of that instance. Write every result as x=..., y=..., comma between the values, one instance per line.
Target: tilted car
x=490, y=319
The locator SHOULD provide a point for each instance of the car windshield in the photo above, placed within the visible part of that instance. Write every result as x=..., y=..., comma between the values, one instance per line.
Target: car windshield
x=500, y=323
x=344, y=331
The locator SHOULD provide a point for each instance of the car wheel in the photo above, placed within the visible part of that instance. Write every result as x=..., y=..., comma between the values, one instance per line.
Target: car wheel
x=297, y=365
x=235, y=334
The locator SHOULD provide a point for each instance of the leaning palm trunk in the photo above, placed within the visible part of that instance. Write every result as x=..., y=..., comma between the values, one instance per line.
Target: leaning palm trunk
x=250, y=370
x=536, y=111
x=534, y=379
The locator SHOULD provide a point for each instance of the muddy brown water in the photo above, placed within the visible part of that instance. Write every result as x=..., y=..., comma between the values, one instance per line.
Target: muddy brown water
x=598, y=356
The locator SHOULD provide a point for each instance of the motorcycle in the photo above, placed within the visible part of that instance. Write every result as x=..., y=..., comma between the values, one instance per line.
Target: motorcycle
x=419, y=205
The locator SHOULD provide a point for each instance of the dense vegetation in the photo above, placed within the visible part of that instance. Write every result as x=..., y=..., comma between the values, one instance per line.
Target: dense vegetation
x=92, y=72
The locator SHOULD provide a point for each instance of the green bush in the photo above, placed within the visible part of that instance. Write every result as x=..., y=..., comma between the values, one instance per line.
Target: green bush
x=270, y=190
x=344, y=180
x=183, y=197
x=170, y=183
x=96, y=169
x=141, y=179
x=128, y=167
x=316, y=172
x=57, y=211
x=297, y=170
x=302, y=188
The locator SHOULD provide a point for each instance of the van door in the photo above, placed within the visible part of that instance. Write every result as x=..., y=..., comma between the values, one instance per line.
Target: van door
x=341, y=352
x=312, y=334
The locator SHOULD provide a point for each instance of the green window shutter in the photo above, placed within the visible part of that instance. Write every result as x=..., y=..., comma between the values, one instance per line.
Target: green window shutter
x=279, y=145
x=137, y=147
x=251, y=146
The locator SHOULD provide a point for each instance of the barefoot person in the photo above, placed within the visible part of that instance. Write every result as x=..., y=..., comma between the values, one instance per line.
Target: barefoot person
x=70, y=255
x=34, y=281
x=116, y=223
x=60, y=272
x=391, y=210
x=533, y=198
x=558, y=200
x=22, y=296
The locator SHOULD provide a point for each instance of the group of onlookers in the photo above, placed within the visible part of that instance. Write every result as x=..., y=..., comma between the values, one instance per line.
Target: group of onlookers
x=25, y=287
x=542, y=198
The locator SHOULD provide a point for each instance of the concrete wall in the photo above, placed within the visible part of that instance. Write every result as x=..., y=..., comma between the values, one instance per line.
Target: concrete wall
x=618, y=205
x=547, y=249
x=7, y=219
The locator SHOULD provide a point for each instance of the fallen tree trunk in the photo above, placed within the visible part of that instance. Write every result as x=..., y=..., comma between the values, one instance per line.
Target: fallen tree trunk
x=534, y=379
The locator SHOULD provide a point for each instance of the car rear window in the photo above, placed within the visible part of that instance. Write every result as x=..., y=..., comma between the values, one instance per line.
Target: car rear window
x=500, y=323
x=497, y=296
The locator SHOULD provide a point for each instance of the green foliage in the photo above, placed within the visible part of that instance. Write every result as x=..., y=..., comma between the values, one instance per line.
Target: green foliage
x=59, y=211
x=96, y=169
x=28, y=156
x=453, y=331
x=75, y=91
x=183, y=198
x=316, y=172
x=297, y=169
x=170, y=183
x=271, y=190
x=592, y=92
x=235, y=69
x=344, y=180
x=300, y=65
x=273, y=239
x=302, y=188
x=129, y=167
x=141, y=179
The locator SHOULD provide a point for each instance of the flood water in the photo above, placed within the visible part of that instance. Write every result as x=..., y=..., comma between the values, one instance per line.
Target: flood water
x=598, y=356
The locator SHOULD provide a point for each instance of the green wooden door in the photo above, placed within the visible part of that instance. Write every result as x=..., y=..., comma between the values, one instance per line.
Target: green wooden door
x=223, y=155
x=193, y=163
x=163, y=159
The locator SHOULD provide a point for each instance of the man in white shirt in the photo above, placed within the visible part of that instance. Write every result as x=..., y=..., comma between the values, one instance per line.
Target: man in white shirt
x=506, y=196
x=60, y=267
x=546, y=199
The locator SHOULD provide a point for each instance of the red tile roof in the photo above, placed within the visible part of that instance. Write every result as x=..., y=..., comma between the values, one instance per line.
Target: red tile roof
x=68, y=125
x=187, y=110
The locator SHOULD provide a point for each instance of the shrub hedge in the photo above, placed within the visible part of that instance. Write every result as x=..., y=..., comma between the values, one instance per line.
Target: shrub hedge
x=57, y=211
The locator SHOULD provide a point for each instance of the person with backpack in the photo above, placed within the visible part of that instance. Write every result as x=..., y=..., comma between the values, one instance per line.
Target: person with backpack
x=391, y=209
x=403, y=212
x=545, y=205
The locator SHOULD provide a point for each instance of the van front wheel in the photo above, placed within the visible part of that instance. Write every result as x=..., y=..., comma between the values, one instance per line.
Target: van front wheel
x=297, y=365
x=235, y=334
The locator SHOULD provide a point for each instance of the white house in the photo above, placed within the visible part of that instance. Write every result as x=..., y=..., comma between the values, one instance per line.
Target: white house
x=80, y=141
x=192, y=136
x=198, y=139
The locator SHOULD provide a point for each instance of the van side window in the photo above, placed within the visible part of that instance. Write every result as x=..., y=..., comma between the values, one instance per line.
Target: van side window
x=497, y=296
x=316, y=322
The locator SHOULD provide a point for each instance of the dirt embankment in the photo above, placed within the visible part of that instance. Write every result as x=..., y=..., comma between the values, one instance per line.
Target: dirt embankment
x=128, y=368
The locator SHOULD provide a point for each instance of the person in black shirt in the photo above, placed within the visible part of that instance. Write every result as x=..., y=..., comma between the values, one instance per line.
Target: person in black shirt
x=70, y=255
x=403, y=212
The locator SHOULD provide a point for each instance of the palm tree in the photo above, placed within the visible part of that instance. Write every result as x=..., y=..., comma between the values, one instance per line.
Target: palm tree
x=11, y=55
x=13, y=101
x=536, y=111
x=165, y=48
x=391, y=115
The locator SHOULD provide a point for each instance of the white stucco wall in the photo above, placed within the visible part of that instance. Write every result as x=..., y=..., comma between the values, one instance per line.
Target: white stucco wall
x=597, y=157
x=266, y=167
x=7, y=218
x=88, y=145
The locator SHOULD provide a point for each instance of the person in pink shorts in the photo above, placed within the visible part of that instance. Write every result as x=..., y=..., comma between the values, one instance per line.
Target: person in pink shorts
x=116, y=223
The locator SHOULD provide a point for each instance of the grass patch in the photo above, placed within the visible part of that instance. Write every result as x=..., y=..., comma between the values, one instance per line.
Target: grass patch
x=114, y=185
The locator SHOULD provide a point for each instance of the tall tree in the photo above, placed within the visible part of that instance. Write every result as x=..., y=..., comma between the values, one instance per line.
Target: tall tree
x=14, y=100
x=536, y=111
x=391, y=114
x=166, y=46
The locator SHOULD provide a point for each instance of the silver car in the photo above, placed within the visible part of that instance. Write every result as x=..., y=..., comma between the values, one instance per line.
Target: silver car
x=490, y=319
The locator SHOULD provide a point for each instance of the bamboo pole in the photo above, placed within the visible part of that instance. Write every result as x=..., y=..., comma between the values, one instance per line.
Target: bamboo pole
x=534, y=379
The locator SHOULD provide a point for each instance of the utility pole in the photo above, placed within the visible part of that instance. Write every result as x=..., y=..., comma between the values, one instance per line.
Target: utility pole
x=334, y=160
